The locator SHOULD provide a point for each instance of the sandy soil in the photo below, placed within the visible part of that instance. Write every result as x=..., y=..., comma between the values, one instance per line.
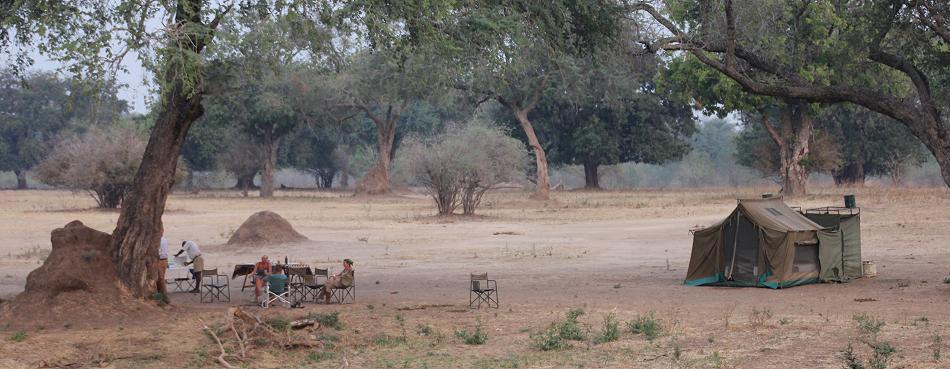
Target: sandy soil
x=620, y=253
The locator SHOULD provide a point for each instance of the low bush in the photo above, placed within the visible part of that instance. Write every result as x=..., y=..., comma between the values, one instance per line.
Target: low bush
x=647, y=325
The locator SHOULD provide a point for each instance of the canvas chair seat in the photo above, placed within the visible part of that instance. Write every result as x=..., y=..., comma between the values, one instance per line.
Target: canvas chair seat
x=277, y=291
x=214, y=286
x=482, y=290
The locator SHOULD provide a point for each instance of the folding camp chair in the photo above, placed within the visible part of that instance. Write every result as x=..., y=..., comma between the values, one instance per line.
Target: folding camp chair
x=215, y=286
x=276, y=291
x=312, y=285
x=182, y=284
x=340, y=295
x=482, y=293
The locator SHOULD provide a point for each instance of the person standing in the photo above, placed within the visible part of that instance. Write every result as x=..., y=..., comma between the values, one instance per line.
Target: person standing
x=162, y=266
x=191, y=249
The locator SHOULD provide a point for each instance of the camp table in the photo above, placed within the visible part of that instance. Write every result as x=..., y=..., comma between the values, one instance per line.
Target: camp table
x=243, y=270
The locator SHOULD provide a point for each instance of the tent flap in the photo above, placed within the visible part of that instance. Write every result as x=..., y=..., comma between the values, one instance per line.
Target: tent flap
x=829, y=256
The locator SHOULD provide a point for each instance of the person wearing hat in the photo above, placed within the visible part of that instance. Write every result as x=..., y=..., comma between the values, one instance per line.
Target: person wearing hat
x=342, y=280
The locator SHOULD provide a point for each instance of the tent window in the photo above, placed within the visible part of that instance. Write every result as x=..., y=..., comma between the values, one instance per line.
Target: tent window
x=806, y=258
x=773, y=211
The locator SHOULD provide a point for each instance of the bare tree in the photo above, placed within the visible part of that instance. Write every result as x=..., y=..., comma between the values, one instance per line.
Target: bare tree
x=459, y=166
x=102, y=162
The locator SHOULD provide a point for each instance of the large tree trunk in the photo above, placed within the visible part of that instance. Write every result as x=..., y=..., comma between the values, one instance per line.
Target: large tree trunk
x=271, y=144
x=793, y=144
x=245, y=182
x=20, y=179
x=851, y=174
x=591, y=177
x=377, y=180
x=543, y=186
x=136, y=236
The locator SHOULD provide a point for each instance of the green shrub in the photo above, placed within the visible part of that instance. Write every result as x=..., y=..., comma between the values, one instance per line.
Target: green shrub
x=647, y=325
x=331, y=320
x=569, y=329
x=477, y=337
x=610, y=329
x=383, y=339
x=18, y=336
x=869, y=324
x=161, y=298
x=549, y=339
x=316, y=357
x=424, y=330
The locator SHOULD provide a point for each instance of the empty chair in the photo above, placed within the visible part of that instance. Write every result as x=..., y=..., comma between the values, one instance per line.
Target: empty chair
x=483, y=290
x=215, y=286
x=312, y=284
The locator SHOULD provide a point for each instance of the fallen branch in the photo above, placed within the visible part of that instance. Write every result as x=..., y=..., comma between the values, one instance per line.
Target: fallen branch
x=220, y=346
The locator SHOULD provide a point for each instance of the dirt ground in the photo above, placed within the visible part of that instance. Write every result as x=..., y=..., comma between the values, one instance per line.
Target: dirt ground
x=619, y=254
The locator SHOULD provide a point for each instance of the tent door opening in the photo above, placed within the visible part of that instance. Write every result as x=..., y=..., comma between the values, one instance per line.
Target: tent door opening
x=742, y=249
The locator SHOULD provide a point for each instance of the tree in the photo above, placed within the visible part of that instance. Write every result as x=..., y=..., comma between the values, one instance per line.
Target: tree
x=93, y=41
x=240, y=157
x=463, y=163
x=890, y=56
x=314, y=151
x=101, y=161
x=640, y=125
x=757, y=148
x=262, y=87
x=36, y=108
x=871, y=144
x=512, y=53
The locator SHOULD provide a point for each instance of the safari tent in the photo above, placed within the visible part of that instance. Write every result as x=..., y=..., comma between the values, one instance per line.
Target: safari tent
x=765, y=243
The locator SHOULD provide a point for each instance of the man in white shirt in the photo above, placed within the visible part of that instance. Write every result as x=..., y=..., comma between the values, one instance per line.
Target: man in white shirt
x=162, y=265
x=191, y=249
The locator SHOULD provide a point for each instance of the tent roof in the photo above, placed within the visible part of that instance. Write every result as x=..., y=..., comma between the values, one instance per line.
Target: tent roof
x=772, y=213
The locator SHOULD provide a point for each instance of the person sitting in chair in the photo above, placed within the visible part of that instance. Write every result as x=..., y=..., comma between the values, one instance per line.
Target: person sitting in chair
x=277, y=281
x=342, y=280
x=261, y=272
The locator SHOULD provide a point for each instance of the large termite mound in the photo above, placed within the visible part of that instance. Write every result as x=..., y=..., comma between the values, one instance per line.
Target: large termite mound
x=265, y=227
x=77, y=285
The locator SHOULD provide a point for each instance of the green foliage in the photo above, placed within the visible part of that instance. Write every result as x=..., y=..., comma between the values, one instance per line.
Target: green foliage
x=869, y=324
x=330, y=320
x=160, y=297
x=647, y=325
x=36, y=108
x=569, y=329
x=18, y=336
x=316, y=357
x=609, y=330
x=476, y=337
x=549, y=339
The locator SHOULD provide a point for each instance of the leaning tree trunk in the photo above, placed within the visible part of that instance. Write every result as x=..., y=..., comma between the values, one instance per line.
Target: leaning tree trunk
x=543, y=186
x=591, y=177
x=271, y=144
x=20, y=179
x=136, y=236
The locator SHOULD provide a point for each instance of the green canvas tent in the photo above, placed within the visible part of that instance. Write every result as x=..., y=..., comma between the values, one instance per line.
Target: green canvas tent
x=765, y=243
x=840, y=242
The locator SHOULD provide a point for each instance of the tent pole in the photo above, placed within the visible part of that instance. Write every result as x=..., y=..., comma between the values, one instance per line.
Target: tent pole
x=735, y=243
